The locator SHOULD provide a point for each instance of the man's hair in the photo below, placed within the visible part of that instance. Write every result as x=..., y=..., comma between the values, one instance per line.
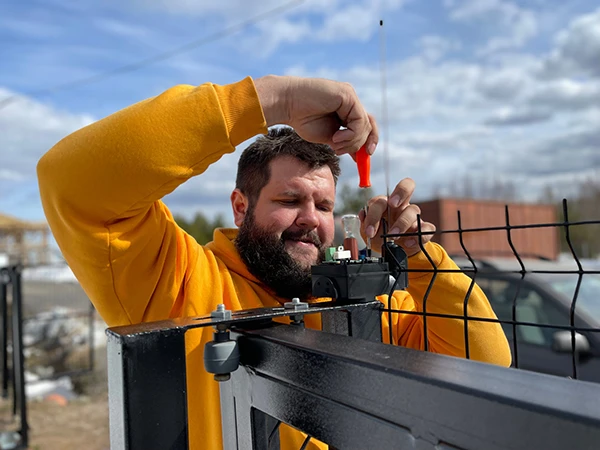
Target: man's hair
x=254, y=165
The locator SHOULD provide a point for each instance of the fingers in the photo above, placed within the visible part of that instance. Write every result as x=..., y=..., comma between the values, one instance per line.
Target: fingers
x=410, y=244
x=406, y=219
x=402, y=193
x=377, y=208
x=373, y=139
x=408, y=223
x=360, y=127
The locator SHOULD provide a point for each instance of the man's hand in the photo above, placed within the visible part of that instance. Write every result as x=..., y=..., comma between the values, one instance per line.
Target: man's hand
x=403, y=219
x=316, y=108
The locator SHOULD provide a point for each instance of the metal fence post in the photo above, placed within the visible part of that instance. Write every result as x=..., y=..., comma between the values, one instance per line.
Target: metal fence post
x=92, y=355
x=147, y=385
x=17, y=339
x=4, y=280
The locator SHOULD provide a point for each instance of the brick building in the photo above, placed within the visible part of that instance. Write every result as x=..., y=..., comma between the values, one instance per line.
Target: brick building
x=539, y=242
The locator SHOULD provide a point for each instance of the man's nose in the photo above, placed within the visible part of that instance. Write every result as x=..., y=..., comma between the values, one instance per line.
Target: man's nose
x=308, y=218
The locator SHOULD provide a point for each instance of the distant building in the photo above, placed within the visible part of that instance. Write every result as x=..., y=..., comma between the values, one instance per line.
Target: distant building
x=23, y=242
x=536, y=242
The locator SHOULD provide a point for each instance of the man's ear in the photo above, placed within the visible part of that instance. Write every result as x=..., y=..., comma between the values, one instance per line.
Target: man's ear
x=239, y=204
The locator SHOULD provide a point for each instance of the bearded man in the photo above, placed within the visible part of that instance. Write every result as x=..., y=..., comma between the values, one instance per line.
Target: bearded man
x=101, y=189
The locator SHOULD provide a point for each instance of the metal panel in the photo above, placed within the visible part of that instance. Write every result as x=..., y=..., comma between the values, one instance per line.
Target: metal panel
x=361, y=321
x=147, y=393
x=357, y=394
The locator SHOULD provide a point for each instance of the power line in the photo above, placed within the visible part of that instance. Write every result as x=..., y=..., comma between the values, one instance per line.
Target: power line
x=156, y=58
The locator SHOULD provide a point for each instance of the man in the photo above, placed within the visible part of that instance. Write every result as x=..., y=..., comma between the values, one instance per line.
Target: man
x=101, y=189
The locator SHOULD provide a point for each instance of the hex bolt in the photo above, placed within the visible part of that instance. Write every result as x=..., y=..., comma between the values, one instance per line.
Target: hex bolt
x=221, y=312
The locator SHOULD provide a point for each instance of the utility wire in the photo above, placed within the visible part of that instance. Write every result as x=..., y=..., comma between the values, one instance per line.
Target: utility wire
x=156, y=58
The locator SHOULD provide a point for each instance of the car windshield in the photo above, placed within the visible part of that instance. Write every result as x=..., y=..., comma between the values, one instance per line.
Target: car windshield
x=588, y=299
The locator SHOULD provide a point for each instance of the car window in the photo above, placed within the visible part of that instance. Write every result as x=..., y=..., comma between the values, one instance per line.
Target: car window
x=588, y=298
x=531, y=307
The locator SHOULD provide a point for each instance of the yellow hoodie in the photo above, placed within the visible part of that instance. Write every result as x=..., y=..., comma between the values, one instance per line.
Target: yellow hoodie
x=101, y=189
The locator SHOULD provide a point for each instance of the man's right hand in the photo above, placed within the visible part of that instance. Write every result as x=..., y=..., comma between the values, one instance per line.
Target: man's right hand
x=316, y=108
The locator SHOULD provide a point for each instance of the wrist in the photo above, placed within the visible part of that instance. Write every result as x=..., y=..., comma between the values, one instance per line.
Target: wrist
x=272, y=93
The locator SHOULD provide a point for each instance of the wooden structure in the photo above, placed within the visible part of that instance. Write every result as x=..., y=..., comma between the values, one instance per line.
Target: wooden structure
x=24, y=242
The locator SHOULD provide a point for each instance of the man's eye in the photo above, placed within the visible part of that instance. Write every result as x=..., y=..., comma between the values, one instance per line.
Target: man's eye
x=287, y=202
x=325, y=208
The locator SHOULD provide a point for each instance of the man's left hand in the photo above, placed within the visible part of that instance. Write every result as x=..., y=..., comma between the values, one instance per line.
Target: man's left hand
x=403, y=219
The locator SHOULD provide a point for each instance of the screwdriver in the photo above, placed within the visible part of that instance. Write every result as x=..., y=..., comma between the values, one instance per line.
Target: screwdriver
x=363, y=163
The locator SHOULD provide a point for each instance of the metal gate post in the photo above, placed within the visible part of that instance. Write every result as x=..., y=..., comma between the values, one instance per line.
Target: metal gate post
x=18, y=359
x=4, y=280
x=146, y=387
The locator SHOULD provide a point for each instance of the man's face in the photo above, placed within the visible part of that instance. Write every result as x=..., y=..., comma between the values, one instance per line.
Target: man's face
x=289, y=227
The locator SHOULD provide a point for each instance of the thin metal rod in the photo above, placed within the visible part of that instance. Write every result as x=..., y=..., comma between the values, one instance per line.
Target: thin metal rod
x=499, y=228
x=431, y=282
x=305, y=443
x=274, y=432
x=384, y=111
x=487, y=319
x=514, y=303
x=4, y=312
x=471, y=285
x=576, y=293
x=91, y=337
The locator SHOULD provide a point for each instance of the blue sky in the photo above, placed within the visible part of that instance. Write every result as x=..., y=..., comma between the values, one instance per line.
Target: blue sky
x=484, y=89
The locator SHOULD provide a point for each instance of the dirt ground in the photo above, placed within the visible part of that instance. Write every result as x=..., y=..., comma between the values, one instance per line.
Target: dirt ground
x=82, y=424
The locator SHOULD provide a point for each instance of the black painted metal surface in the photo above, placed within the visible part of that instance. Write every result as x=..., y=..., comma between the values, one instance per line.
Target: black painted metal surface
x=10, y=279
x=355, y=394
x=147, y=390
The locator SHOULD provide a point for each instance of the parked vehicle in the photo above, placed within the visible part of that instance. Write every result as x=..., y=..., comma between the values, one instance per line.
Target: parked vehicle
x=544, y=301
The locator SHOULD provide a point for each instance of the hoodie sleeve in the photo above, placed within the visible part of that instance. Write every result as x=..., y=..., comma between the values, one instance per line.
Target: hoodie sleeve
x=101, y=188
x=445, y=293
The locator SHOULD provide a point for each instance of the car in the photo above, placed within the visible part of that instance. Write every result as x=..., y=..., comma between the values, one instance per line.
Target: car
x=541, y=299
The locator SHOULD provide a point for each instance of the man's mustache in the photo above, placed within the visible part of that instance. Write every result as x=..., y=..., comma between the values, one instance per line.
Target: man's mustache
x=310, y=236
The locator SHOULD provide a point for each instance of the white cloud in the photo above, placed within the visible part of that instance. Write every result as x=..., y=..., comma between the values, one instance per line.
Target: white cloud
x=495, y=119
x=434, y=47
x=577, y=48
x=330, y=20
x=28, y=129
x=515, y=25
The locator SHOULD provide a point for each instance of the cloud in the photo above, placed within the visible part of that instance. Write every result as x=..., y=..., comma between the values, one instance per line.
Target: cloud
x=576, y=150
x=434, y=47
x=577, y=48
x=516, y=25
x=28, y=129
x=509, y=117
x=230, y=8
x=496, y=118
x=309, y=20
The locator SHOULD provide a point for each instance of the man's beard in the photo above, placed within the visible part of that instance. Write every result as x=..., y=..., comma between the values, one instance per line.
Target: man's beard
x=267, y=259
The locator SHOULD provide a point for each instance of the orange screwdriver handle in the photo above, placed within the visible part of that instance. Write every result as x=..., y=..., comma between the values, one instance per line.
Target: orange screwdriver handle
x=363, y=163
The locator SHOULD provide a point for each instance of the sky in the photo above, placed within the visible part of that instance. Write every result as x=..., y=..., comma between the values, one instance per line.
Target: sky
x=480, y=89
